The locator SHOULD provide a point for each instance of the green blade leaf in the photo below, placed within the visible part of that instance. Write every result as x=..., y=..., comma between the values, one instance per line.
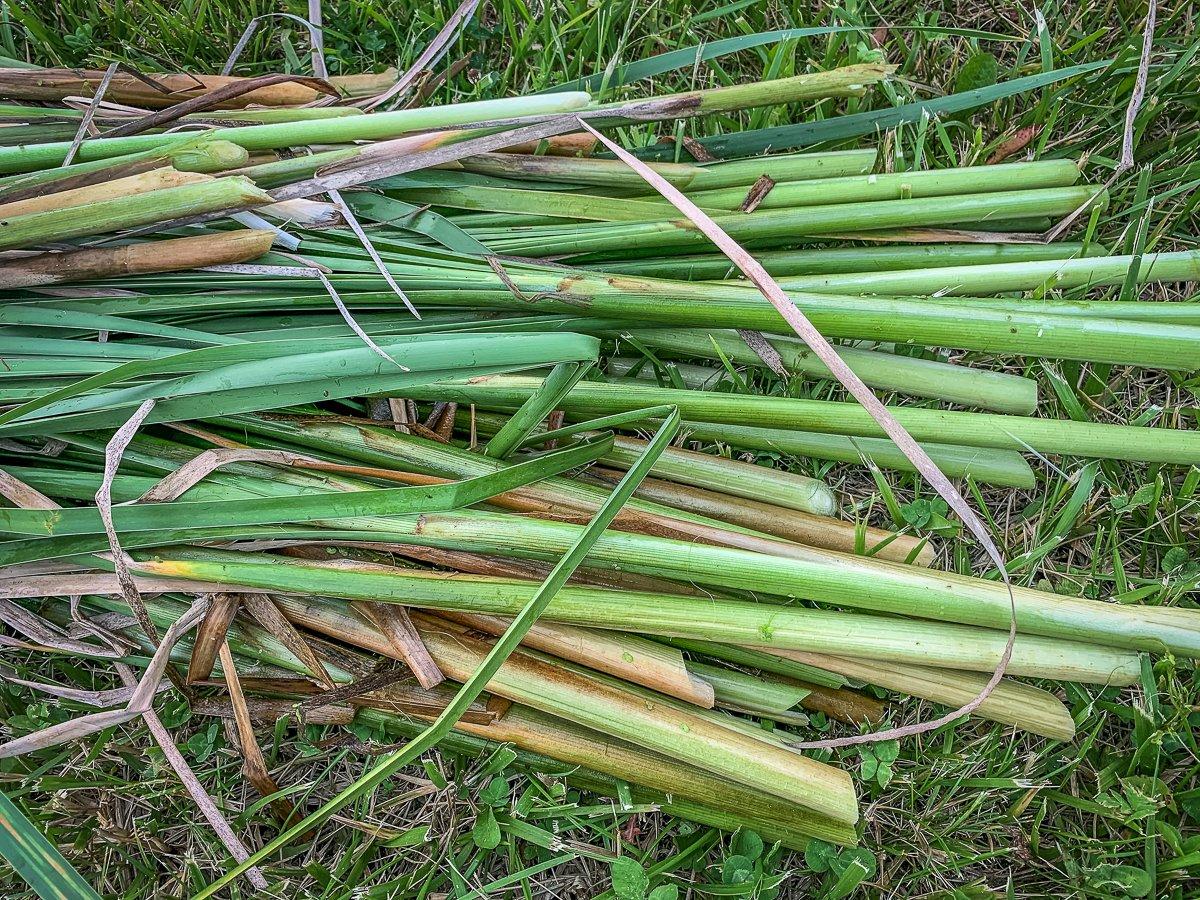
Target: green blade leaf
x=37, y=860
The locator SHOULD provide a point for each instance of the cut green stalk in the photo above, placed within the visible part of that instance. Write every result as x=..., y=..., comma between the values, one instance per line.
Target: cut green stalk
x=1022, y=329
x=755, y=693
x=1130, y=313
x=691, y=735
x=983, y=465
x=782, y=167
x=377, y=126
x=887, y=371
x=789, y=524
x=200, y=155
x=728, y=476
x=520, y=207
x=294, y=168
x=634, y=659
x=896, y=186
x=737, y=622
x=775, y=227
x=845, y=81
x=130, y=212
x=883, y=258
x=676, y=788
x=591, y=399
x=611, y=173
x=1092, y=271
x=1011, y=702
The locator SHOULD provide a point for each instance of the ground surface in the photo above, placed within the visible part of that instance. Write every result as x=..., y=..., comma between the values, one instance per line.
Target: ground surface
x=972, y=811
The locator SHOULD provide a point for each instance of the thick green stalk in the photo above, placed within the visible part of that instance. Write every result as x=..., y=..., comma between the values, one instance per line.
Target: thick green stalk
x=781, y=226
x=611, y=173
x=742, y=691
x=897, y=186
x=1129, y=313
x=387, y=448
x=1023, y=327
x=728, y=476
x=294, y=168
x=603, y=764
x=591, y=399
x=377, y=126
x=200, y=155
x=652, y=721
x=517, y=206
x=883, y=258
x=129, y=212
x=1006, y=468
x=1011, y=702
x=843, y=81
x=1092, y=271
x=886, y=371
x=558, y=741
x=832, y=576
x=781, y=167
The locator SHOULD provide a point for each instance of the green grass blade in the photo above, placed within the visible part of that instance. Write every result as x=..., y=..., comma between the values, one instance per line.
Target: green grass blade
x=37, y=860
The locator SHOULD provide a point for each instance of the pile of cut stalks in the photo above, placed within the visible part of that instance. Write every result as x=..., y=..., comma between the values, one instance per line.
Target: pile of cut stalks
x=438, y=422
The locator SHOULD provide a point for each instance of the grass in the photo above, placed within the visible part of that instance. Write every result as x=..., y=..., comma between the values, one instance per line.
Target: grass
x=970, y=811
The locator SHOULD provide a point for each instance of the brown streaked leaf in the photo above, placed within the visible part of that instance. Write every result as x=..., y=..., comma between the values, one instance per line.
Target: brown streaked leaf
x=215, y=97
x=196, y=469
x=20, y=494
x=113, y=451
x=367, y=684
x=395, y=623
x=429, y=86
x=847, y=706
x=85, y=124
x=757, y=193
x=266, y=685
x=74, y=584
x=698, y=151
x=415, y=701
x=210, y=635
x=269, y=710
x=764, y=350
x=45, y=636
x=267, y=614
x=254, y=767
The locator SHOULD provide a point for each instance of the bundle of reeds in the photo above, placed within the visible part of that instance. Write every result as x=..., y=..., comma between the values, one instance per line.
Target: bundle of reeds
x=252, y=415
